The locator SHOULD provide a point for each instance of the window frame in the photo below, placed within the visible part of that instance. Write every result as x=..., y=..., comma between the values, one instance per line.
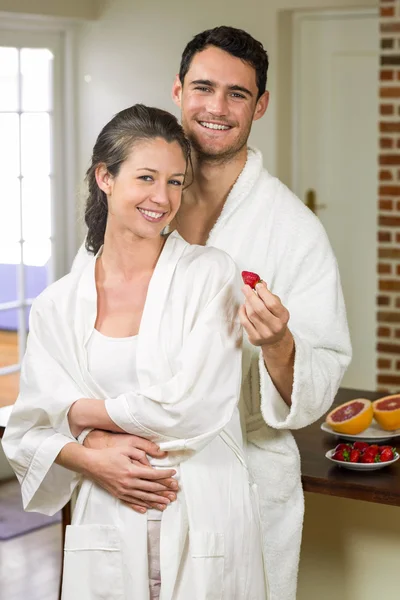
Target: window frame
x=59, y=36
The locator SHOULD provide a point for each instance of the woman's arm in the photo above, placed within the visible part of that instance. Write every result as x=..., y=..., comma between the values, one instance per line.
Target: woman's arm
x=89, y=412
x=40, y=446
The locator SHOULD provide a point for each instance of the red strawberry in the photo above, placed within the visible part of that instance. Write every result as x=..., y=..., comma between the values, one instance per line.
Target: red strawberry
x=342, y=455
x=361, y=446
x=370, y=455
x=387, y=454
x=355, y=456
x=250, y=278
x=373, y=449
x=346, y=447
x=381, y=448
x=365, y=458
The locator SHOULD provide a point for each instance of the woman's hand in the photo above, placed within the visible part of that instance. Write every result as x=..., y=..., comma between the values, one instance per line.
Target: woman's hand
x=124, y=473
x=149, y=492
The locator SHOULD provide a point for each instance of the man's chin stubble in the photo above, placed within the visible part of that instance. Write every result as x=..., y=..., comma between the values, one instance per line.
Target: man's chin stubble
x=204, y=156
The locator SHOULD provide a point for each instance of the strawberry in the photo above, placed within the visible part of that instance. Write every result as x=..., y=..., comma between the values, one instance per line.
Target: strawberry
x=367, y=458
x=342, y=455
x=355, y=455
x=361, y=446
x=250, y=278
x=345, y=447
x=370, y=455
x=381, y=448
x=373, y=449
x=387, y=454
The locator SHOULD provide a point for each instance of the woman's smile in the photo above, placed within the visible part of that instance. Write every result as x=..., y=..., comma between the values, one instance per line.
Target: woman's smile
x=151, y=215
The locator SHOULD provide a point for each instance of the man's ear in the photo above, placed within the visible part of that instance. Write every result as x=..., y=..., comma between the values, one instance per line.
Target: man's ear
x=177, y=91
x=261, y=106
x=104, y=179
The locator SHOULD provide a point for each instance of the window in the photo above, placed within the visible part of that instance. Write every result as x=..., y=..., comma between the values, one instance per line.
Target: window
x=33, y=207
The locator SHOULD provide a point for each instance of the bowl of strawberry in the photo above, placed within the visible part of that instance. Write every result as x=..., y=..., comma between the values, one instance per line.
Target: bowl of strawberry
x=361, y=456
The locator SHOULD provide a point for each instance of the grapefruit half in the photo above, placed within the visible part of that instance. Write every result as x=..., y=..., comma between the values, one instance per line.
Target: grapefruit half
x=387, y=412
x=351, y=417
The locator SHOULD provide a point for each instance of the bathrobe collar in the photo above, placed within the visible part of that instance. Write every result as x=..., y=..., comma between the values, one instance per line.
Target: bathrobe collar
x=240, y=190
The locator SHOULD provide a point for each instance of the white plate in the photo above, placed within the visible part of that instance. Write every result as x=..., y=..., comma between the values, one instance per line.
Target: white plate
x=373, y=433
x=361, y=466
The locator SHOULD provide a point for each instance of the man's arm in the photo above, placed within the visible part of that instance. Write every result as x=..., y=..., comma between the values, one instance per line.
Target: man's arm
x=265, y=320
x=279, y=362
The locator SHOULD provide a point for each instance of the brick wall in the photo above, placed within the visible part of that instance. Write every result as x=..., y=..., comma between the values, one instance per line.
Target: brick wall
x=388, y=327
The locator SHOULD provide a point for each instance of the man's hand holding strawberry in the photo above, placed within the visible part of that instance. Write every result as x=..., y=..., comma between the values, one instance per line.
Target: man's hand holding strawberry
x=265, y=320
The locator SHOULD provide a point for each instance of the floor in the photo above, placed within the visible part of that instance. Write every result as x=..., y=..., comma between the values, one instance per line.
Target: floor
x=29, y=565
x=9, y=384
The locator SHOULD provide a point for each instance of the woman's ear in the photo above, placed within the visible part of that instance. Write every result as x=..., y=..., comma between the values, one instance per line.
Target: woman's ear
x=104, y=179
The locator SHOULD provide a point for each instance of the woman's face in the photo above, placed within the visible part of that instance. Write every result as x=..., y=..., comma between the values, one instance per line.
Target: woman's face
x=146, y=193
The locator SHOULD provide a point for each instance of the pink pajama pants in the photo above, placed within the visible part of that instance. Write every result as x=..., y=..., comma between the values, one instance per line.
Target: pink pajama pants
x=153, y=549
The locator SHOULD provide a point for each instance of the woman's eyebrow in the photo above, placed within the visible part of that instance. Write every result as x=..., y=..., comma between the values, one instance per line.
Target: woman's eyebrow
x=155, y=171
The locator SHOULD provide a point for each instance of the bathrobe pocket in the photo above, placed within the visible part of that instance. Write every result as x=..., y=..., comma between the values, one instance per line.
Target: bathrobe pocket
x=207, y=553
x=92, y=563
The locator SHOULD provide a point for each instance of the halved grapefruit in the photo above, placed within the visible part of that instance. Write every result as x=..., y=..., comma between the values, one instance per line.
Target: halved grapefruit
x=351, y=417
x=387, y=412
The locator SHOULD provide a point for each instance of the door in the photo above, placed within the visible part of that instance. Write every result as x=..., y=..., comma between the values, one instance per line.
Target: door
x=336, y=65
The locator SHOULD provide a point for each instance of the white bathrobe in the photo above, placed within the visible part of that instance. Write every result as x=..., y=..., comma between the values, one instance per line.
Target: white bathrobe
x=189, y=371
x=265, y=228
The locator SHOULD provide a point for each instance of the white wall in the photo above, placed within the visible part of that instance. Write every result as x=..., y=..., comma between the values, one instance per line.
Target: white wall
x=350, y=550
x=81, y=9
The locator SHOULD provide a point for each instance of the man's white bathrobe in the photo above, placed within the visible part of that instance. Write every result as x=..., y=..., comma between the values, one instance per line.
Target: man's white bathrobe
x=189, y=370
x=265, y=228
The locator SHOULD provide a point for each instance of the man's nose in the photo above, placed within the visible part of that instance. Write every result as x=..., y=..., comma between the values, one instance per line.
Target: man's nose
x=217, y=104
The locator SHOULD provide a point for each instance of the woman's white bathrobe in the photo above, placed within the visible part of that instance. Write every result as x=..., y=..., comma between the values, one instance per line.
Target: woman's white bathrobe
x=189, y=370
x=265, y=228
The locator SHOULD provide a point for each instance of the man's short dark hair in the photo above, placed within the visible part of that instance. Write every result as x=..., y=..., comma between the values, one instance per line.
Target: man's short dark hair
x=236, y=42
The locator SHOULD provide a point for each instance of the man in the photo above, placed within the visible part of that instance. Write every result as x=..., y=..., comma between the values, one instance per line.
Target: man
x=297, y=346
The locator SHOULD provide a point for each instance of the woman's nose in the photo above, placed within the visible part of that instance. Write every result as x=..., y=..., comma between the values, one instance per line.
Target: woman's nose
x=160, y=195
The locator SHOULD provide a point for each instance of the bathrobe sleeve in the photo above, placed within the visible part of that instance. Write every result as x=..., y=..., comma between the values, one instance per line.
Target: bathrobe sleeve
x=37, y=429
x=193, y=406
x=319, y=327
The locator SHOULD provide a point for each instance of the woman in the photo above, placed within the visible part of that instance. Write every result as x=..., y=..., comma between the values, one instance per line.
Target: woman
x=145, y=340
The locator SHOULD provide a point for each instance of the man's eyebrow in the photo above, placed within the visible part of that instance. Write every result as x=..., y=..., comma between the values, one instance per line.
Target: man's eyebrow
x=203, y=82
x=155, y=171
x=239, y=88
x=233, y=88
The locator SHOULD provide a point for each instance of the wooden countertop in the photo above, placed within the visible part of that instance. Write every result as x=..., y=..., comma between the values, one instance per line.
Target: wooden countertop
x=321, y=476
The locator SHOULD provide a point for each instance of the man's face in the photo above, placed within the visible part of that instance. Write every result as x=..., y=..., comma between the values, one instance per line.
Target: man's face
x=219, y=103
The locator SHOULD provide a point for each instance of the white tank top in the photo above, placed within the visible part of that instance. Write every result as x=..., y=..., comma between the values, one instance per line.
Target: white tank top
x=112, y=364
